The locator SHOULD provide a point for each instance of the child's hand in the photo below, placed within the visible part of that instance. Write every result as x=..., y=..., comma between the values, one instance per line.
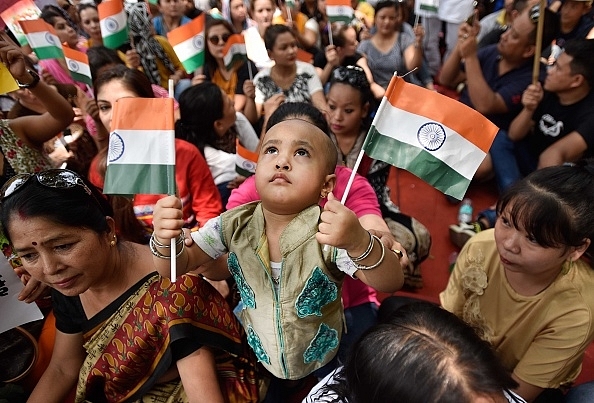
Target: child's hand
x=168, y=218
x=340, y=227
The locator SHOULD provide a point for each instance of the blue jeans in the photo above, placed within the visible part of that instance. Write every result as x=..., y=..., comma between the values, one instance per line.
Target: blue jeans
x=581, y=393
x=511, y=160
x=181, y=86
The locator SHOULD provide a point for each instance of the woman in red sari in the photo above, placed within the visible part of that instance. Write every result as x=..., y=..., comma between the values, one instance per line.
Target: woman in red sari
x=124, y=331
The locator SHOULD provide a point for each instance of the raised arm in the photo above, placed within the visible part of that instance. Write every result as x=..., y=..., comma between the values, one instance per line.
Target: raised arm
x=522, y=123
x=35, y=130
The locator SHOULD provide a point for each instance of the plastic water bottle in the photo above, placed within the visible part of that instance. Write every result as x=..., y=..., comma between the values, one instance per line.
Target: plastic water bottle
x=465, y=212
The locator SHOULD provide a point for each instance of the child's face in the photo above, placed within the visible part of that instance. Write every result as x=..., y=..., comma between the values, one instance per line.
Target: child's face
x=293, y=166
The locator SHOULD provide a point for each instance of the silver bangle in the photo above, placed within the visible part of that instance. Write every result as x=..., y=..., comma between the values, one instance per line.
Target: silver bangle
x=364, y=254
x=153, y=245
x=179, y=240
x=381, y=259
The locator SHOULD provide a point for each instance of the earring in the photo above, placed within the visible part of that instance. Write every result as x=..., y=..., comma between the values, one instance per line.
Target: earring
x=567, y=267
x=113, y=242
x=323, y=195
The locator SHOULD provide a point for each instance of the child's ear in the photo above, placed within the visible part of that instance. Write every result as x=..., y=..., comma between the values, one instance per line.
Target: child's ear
x=329, y=184
x=365, y=109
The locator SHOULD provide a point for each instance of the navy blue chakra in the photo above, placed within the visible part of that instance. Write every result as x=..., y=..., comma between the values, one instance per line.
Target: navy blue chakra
x=431, y=136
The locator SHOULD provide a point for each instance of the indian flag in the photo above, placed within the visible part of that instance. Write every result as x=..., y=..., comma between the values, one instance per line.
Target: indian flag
x=245, y=160
x=113, y=22
x=437, y=138
x=42, y=38
x=78, y=65
x=234, y=51
x=188, y=43
x=141, y=153
x=339, y=11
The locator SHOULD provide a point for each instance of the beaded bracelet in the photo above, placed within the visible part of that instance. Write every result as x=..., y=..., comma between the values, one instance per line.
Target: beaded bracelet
x=381, y=259
x=364, y=254
x=153, y=244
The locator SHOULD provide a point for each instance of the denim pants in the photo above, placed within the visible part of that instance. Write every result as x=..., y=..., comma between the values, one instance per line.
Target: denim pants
x=511, y=160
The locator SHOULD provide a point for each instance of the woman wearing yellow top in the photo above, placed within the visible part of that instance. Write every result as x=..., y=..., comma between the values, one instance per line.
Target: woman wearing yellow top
x=305, y=29
x=235, y=82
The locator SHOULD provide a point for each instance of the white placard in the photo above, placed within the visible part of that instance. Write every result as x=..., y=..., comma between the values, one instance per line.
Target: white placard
x=12, y=311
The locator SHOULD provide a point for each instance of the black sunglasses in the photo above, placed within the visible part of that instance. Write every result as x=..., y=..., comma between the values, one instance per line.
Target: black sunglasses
x=353, y=75
x=52, y=178
x=216, y=39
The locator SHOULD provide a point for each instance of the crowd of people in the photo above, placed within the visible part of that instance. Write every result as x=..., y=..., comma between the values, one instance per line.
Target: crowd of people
x=278, y=273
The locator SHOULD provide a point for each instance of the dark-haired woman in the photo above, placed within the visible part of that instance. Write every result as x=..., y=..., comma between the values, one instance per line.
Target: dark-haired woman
x=289, y=80
x=523, y=284
x=419, y=344
x=235, y=82
x=115, y=314
x=209, y=121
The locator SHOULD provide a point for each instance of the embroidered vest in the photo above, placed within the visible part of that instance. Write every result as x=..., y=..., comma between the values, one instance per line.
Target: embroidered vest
x=297, y=330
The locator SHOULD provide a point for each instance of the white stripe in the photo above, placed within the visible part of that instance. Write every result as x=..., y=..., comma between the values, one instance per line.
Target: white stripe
x=121, y=20
x=189, y=48
x=236, y=48
x=141, y=147
x=335, y=11
x=459, y=153
x=43, y=39
x=78, y=67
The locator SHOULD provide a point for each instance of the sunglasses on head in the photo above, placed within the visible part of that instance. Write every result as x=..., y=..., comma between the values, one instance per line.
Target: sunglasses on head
x=216, y=39
x=52, y=178
x=353, y=75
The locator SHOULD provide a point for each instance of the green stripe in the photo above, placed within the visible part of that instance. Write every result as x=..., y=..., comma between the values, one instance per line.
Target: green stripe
x=341, y=18
x=129, y=179
x=427, y=7
x=191, y=64
x=81, y=78
x=49, y=52
x=236, y=58
x=116, y=40
x=417, y=161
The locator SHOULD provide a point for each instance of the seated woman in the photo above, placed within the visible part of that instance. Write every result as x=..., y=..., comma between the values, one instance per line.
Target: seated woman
x=235, y=12
x=289, y=80
x=305, y=29
x=349, y=106
x=344, y=53
x=114, y=312
x=524, y=286
x=55, y=70
x=392, y=47
x=194, y=182
x=157, y=57
x=208, y=121
x=424, y=345
x=262, y=12
x=236, y=82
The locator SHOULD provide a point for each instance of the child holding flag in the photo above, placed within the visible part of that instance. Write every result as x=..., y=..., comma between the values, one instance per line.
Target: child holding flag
x=289, y=282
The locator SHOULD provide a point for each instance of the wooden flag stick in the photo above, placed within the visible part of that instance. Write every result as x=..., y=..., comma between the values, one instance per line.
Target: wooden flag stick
x=537, y=50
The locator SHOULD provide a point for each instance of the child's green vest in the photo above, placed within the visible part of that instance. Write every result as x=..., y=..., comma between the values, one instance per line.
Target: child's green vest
x=298, y=330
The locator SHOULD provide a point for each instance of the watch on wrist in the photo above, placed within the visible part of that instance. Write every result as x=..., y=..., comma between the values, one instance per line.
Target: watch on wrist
x=33, y=83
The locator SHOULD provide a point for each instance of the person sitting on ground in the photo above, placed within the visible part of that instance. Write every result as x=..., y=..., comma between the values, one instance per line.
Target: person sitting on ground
x=523, y=284
x=575, y=23
x=423, y=345
x=496, y=23
x=180, y=339
x=555, y=126
x=283, y=236
x=172, y=16
x=496, y=76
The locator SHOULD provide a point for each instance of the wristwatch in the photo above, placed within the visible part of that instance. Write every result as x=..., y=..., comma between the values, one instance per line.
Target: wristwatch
x=32, y=84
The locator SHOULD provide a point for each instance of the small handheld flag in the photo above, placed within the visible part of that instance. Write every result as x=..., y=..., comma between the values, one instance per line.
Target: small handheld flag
x=42, y=38
x=437, y=138
x=114, y=23
x=339, y=11
x=78, y=65
x=188, y=43
x=234, y=51
x=245, y=160
x=141, y=153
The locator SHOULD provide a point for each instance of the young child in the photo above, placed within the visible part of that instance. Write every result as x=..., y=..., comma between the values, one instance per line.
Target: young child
x=288, y=281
